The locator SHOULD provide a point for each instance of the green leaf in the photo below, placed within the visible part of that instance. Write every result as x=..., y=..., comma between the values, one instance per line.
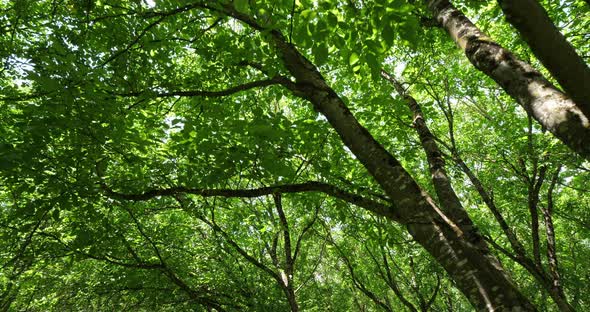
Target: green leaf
x=374, y=66
x=320, y=53
x=353, y=59
x=241, y=6
x=388, y=35
x=332, y=20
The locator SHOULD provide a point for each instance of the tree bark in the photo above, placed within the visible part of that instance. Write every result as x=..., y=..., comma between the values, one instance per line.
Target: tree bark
x=556, y=290
x=520, y=255
x=534, y=187
x=551, y=48
x=554, y=110
x=464, y=255
x=446, y=195
x=287, y=278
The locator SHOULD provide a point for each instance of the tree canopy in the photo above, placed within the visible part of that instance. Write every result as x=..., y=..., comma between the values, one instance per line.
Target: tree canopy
x=325, y=155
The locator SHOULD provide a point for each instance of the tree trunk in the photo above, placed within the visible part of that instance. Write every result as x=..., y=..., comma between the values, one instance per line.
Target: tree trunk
x=290, y=293
x=446, y=195
x=464, y=255
x=554, y=110
x=551, y=48
x=286, y=275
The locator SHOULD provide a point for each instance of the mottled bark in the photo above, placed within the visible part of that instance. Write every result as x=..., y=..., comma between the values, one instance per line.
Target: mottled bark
x=554, y=110
x=289, y=262
x=464, y=255
x=446, y=195
x=551, y=48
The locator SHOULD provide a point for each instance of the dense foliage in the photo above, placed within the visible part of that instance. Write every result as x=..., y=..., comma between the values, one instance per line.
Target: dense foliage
x=167, y=155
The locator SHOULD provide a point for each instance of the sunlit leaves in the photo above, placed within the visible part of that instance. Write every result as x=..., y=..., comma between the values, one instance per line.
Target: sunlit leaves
x=81, y=106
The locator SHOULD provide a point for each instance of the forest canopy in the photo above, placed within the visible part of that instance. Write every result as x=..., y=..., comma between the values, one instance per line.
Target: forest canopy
x=294, y=155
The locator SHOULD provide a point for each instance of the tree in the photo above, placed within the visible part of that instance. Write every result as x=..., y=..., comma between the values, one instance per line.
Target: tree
x=554, y=110
x=164, y=154
x=569, y=69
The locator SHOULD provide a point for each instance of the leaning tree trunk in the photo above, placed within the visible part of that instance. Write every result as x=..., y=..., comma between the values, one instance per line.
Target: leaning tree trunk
x=463, y=254
x=554, y=110
x=447, y=197
x=551, y=48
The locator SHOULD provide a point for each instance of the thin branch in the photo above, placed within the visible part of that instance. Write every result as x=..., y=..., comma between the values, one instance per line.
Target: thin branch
x=142, y=232
x=162, y=16
x=315, y=267
x=286, y=237
x=359, y=285
x=240, y=250
x=389, y=280
x=141, y=265
x=291, y=22
x=434, y=294
x=534, y=189
x=305, y=229
x=453, y=212
x=312, y=186
x=277, y=80
x=550, y=232
x=502, y=250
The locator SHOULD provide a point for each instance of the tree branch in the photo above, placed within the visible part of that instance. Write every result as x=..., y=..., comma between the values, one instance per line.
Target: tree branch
x=286, y=238
x=311, y=186
x=305, y=229
x=355, y=280
x=550, y=232
x=162, y=16
x=534, y=189
x=204, y=93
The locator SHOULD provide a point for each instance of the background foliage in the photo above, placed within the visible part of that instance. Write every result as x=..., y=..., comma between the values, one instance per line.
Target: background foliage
x=87, y=99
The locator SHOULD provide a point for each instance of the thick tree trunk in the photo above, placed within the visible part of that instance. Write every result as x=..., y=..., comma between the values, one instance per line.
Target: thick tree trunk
x=550, y=107
x=464, y=255
x=551, y=48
